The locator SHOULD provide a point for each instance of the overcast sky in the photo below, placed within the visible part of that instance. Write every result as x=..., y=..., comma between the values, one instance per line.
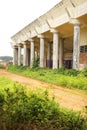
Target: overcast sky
x=16, y=14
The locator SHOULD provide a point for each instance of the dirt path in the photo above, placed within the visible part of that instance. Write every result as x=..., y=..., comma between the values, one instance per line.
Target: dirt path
x=66, y=97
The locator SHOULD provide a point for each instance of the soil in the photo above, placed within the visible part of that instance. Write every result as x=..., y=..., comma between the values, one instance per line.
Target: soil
x=68, y=98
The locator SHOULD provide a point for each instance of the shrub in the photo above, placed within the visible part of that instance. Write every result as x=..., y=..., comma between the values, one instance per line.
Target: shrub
x=67, y=72
x=22, y=109
x=59, y=71
x=36, y=63
x=84, y=72
x=71, y=72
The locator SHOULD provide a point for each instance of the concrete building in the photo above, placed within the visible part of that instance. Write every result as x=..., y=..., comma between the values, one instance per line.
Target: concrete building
x=59, y=37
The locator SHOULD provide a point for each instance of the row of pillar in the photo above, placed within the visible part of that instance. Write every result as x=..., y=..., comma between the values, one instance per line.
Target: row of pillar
x=57, y=50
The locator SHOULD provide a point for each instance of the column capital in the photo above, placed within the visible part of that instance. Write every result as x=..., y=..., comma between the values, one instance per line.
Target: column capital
x=31, y=40
x=53, y=30
x=40, y=36
x=20, y=44
x=15, y=46
x=24, y=43
x=74, y=21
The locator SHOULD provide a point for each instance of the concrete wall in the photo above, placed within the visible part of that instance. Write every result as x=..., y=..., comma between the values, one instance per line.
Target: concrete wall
x=83, y=37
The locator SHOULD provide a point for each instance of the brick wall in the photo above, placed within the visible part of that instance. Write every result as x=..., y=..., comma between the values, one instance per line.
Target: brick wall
x=83, y=58
x=83, y=61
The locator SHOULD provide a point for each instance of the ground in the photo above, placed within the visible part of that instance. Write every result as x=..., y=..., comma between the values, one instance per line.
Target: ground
x=68, y=98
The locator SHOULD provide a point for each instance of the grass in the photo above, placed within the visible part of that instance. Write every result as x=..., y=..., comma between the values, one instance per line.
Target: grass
x=66, y=78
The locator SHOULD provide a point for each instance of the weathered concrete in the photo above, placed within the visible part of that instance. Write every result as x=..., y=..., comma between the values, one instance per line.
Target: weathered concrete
x=19, y=54
x=15, y=56
x=57, y=19
x=76, y=42
x=25, y=55
x=32, y=53
x=61, y=47
x=41, y=51
x=49, y=51
x=55, y=48
x=48, y=54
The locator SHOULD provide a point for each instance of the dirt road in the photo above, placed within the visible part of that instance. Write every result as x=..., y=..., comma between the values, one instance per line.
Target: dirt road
x=66, y=97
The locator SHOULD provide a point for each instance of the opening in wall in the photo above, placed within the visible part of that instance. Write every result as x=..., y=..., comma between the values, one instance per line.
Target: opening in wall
x=83, y=49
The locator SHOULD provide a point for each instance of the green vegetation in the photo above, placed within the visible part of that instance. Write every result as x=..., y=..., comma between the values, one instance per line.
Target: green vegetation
x=24, y=109
x=36, y=63
x=6, y=58
x=67, y=78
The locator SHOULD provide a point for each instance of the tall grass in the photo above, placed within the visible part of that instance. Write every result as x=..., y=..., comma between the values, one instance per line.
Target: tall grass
x=63, y=77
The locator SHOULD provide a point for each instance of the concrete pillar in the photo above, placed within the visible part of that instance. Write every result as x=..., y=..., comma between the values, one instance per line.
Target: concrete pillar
x=55, y=48
x=76, y=42
x=48, y=54
x=25, y=55
x=32, y=52
x=49, y=51
x=41, y=51
x=19, y=54
x=15, y=55
x=61, y=48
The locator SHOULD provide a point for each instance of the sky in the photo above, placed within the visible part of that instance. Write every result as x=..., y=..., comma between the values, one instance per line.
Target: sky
x=15, y=15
